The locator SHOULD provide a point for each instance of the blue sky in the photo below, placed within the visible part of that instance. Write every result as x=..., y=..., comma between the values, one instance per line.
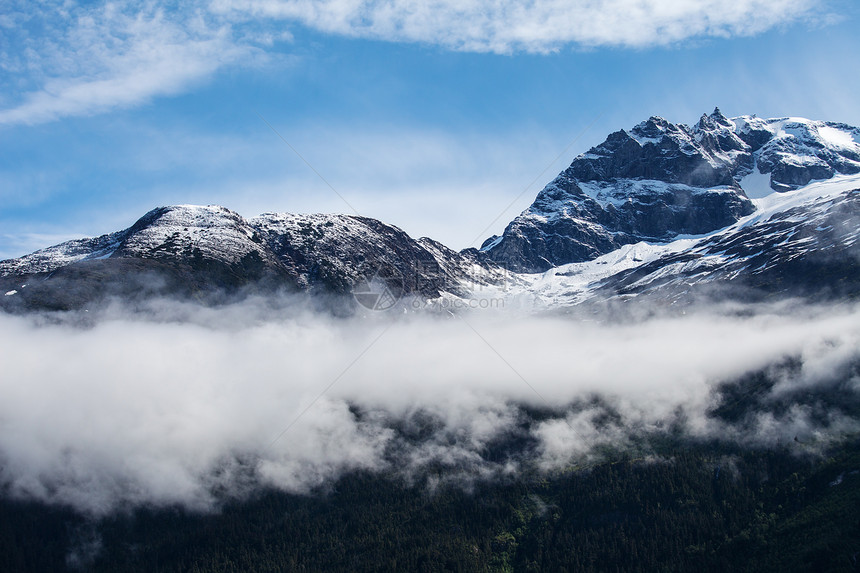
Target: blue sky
x=434, y=116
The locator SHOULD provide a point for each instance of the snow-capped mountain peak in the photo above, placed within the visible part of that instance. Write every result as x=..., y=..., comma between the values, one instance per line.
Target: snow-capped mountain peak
x=660, y=180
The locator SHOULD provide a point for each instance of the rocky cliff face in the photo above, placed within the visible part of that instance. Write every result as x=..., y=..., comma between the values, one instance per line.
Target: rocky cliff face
x=660, y=180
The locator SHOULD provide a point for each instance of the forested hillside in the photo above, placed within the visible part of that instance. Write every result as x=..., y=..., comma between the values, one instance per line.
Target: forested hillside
x=689, y=508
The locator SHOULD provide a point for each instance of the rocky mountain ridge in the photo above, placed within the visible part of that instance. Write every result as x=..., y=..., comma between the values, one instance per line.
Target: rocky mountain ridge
x=660, y=180
x=769, y=205
x=194, y=250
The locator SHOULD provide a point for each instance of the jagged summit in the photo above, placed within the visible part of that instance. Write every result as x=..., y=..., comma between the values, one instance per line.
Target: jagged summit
x=659, y=180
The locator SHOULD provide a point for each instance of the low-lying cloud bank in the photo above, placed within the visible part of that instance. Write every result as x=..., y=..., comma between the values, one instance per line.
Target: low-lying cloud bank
x=184, y=405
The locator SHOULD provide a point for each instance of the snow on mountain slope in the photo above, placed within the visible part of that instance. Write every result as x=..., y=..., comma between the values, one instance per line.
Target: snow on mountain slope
x=177, y=231
x=196, y=248
x=203, y=232
x=794, y=151
x=821, y=217
x=52, y=258
x=463, y=272
x=756, y=184
x=660, y=180
x=813, y=194
x=346, y=247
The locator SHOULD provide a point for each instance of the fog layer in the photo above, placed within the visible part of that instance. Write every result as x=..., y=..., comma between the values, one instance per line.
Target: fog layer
x=182, y=405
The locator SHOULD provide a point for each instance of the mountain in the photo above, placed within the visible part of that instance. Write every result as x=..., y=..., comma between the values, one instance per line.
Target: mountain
x=801, y=243
x=769, y=207
x=660, y=180
x=206, y=252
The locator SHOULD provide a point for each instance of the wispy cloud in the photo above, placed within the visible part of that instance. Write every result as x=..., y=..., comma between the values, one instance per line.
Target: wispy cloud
x=505, y=26
x=83, y=61
x=63, y=59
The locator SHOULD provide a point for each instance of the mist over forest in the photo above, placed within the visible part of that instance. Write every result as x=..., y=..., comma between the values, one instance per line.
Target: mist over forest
x=174, y=404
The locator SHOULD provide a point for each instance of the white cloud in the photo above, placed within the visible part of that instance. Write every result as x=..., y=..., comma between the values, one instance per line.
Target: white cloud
x=504, y=26
x=117, y=55
x=64, y=59
x=166, y=407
